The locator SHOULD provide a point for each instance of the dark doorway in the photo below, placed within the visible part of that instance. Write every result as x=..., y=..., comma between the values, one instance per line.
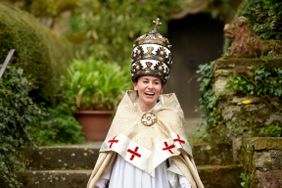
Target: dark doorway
x=196, y=39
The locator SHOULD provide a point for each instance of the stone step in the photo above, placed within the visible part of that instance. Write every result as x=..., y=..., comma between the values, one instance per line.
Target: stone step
x=54, y=178
x=85, y=156
x=213, y=176
x=77, y=157
x=217, y=176
x=212, y=154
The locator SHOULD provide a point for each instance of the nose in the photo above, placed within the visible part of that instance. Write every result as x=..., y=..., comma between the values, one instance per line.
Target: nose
x=150, y=85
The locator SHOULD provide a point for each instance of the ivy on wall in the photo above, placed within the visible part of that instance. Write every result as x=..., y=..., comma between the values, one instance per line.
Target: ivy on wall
x=265, y=17
x=208, y=99
x=249, y=105
x=265, y=82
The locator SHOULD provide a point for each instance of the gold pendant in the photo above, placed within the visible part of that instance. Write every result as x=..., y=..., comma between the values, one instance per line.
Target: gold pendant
x=148, y=119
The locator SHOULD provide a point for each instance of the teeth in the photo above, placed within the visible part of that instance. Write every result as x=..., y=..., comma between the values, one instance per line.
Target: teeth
x=149, y=93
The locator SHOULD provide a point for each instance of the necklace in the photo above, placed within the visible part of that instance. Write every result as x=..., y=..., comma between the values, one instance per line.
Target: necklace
x=148, y=119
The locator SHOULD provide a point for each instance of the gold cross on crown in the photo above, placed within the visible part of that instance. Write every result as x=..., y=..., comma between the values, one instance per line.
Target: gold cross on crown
x=156, y=23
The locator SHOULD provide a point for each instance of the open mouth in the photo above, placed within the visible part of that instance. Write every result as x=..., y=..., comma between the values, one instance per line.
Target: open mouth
x=149, y=94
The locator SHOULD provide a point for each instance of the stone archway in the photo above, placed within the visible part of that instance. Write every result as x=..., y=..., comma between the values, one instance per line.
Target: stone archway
x=196, y=39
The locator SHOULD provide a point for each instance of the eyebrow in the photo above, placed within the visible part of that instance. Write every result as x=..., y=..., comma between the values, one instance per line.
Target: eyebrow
x=154, y=80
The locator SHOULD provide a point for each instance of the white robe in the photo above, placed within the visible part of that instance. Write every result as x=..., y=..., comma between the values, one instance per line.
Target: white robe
x=146, y=156
x=125, y=175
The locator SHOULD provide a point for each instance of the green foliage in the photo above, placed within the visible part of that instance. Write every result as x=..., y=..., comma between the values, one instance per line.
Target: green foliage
x=48, y=12
x=208, y=99
x=95, y=84
x=16, y=112
x=244, y=180
x=50, y=8
x=42, y=54
x=23, y=123
x=226, y=118
x=223, y=9
x=265, y=81
x=55, y=126
x=274, y=129
x=110, y=26
x=265, y=17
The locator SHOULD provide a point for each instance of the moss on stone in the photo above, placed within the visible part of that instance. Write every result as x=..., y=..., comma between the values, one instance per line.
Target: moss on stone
x=42, y=54
x=266, y=143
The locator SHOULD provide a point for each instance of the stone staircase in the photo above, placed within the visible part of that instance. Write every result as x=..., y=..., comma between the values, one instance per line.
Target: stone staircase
x=70, y=166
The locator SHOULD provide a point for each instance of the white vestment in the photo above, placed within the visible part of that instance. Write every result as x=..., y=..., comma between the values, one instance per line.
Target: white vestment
x=146, y=156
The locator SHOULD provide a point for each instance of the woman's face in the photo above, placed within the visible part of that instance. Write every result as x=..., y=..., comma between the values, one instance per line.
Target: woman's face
x=149, y=89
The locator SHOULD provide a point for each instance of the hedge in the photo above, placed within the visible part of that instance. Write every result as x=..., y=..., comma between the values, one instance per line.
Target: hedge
x=40, y=52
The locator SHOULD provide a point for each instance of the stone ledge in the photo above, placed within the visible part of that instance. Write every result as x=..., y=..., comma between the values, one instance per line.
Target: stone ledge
x=231, y=63
x=265, y=143
x=84, y=156
x=221, y=176
x=267, y=179
x=54, y=178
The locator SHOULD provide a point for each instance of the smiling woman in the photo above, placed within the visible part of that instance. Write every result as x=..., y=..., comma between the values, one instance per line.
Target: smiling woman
x=146, y=146
x=149, y=89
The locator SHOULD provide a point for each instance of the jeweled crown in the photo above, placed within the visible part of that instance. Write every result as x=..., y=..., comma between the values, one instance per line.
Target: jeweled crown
x=151, y=55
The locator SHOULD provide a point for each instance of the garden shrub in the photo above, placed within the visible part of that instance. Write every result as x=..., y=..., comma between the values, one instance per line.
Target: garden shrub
x=24, y=123
x=55, y=126
x=16, y=112
x=109, y=27
x=265, y=17
x=41, y=53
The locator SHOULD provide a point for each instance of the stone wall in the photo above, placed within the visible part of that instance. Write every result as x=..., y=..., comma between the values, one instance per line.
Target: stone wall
x=263, y=161
x=244, y=98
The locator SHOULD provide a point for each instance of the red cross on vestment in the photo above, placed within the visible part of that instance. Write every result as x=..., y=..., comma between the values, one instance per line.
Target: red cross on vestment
x=134, y=153
x=113, y=141
x=179, y=140
x=167, y=147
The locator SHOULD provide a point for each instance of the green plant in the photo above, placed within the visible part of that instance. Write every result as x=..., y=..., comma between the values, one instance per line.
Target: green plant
x=274, y=129
x=265, y=17
x=24, y=123
x=109, y=27
x=55, y=126
x=244, y=180
x=266, y=81
x=95, y=84
x=41, y=53
x=16, y=112
x=208, y=99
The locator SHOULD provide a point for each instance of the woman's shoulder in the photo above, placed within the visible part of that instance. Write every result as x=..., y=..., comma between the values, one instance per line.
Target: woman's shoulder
x=169, y=99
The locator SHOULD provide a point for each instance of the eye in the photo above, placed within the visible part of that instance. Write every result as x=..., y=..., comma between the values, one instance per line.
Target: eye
x=157, y=82
x=145, y=81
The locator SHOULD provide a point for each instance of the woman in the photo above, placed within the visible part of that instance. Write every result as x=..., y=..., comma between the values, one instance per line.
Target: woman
x=146, y=146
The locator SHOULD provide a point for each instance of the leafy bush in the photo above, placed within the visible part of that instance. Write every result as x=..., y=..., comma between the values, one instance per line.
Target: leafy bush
x=16, y=112
x=23, y=123
x=265, y=17
x=95, y=84
x=265, y=81
x=109, y=27
x=55, y=126
x=208, y=99
x=40, y=53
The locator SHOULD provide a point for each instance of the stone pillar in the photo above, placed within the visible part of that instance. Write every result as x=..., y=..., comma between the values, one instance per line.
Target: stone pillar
x=263, y=161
